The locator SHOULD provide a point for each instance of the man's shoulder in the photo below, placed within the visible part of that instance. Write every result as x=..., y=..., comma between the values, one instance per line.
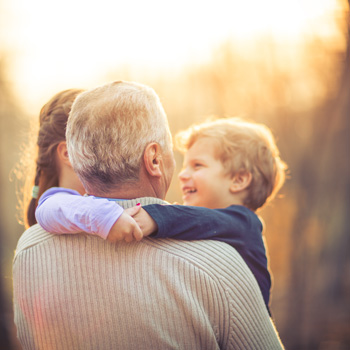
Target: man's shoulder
x=194, y=249
x=34, y=235
x=215, y=258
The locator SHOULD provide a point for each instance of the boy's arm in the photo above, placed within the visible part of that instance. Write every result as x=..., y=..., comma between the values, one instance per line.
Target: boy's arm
x=62, y=210
x=231, y=225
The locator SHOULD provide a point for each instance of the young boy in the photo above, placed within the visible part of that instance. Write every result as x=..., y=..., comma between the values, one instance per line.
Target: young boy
x=231, y=169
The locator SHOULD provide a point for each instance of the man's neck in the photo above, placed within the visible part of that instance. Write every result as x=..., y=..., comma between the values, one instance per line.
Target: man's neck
x=145, y=186
x=130, y=191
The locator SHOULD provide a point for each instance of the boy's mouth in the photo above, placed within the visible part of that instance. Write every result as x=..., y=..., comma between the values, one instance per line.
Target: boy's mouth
x=187, y=190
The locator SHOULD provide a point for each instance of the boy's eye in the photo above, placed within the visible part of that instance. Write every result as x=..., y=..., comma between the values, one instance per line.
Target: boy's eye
x=198, y=165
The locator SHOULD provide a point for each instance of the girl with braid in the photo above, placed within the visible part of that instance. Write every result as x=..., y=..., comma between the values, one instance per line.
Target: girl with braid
x=51, y=145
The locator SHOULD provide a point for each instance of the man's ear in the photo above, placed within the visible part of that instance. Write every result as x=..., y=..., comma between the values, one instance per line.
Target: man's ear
x=241, y=181
x=152, y=159
x=62, y=153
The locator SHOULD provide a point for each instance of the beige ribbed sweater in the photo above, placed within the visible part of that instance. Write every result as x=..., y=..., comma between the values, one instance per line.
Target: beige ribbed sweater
x=79, y=292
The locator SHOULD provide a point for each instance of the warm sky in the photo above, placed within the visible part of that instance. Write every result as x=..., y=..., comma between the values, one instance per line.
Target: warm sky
x=53, y=45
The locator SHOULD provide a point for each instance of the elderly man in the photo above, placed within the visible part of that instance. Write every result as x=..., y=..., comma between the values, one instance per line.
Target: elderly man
x=81, y=292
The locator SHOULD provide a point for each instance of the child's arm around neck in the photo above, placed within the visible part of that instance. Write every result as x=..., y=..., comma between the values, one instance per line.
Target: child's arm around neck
x=61, y=211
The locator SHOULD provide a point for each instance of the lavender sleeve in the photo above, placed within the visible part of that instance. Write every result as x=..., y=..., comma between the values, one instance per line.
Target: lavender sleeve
x=62, y=210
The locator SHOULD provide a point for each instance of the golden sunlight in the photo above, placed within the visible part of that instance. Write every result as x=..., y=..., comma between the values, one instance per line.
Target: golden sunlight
x=74, y=43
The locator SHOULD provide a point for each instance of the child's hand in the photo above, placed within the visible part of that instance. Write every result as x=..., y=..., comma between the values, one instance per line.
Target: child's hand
x=126, y=228
x=145, y=221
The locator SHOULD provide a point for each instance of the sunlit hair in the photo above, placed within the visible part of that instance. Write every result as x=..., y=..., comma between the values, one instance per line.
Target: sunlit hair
x=108, y=130
x=242, y=147
x=52, y=127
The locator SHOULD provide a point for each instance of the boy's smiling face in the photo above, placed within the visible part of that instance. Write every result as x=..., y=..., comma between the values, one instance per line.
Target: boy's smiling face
x=203, y=179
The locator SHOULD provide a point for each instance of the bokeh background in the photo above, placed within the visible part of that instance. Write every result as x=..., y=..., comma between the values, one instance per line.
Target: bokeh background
x=280, y=62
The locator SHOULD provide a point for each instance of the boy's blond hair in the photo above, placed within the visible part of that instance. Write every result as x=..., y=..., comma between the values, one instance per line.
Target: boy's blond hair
x=242, y=146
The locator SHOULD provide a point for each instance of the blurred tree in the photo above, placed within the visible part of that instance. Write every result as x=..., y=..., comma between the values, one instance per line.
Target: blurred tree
x=10, y=128
x=319, y=306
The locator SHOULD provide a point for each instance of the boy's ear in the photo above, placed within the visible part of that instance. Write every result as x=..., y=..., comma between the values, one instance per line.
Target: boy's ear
x=241, y=181
x=62, y=153
x=152, y=159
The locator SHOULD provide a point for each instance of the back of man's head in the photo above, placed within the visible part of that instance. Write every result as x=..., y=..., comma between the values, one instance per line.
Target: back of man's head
x=108, y=130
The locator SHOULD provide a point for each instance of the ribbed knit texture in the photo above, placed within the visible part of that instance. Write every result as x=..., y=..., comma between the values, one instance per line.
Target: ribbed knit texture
x=81, y=292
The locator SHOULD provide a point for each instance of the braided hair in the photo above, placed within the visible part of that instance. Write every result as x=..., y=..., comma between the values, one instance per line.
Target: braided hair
x=52, y=120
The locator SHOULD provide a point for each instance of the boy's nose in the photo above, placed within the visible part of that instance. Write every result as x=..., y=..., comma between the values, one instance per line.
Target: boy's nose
x=183, y=175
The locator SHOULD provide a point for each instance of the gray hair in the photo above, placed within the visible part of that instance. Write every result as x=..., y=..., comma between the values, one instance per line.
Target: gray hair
x=108, y=130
